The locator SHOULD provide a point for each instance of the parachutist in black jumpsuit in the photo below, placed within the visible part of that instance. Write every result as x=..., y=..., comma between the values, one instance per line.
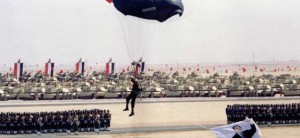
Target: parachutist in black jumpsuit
x=132, y=96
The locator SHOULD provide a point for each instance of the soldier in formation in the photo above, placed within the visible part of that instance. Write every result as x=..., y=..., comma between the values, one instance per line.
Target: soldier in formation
x=55, y=122
x=264, y=114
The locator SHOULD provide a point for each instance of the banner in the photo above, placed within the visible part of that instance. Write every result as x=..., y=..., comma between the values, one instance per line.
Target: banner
x=18, y=70
x=242, y=129
x=80, y=67
x=139, y=68
x=49, y=69
x=110, y=68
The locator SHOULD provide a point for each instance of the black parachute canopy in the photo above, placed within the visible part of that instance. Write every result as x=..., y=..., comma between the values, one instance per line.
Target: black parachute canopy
x=160, y=10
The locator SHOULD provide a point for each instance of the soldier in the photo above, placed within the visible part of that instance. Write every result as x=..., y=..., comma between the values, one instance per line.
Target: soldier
x=97, y=123
x=60, y=123
x=82, y=123
x=39, y=125
x=64, y=121
x=294, y=114
x=102, y=120
x=11, y=125
x=34, y=122
x=281, y=112
x=1, y=126
x=69, y=124
x=15, y=122
x=4, y=125
x=23, y=124
x=261, y=117
x=46, y=123
x=136, y=89
x=298, y=113
x=76, y=124
x=277, y=114
x=53, y=123
x=86, y=124
x=269, y=116
x=107, y=117
x=289, y=115
x=227, y=113
x=90, y=121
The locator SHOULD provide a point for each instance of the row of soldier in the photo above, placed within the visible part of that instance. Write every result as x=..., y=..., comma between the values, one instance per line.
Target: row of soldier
x=264, y=114
x=55, y=122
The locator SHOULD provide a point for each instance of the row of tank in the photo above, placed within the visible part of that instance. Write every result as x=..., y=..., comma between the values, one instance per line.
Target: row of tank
x=158, y=84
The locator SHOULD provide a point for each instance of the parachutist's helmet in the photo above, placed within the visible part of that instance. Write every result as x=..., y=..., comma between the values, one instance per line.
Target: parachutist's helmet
x=133, y=79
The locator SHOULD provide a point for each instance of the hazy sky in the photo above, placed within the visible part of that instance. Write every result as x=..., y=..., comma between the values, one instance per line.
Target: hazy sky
x=209, y=31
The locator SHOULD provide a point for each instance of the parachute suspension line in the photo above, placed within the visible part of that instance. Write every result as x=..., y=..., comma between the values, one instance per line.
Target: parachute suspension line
x=160, y=33
x=130, y=34
x=148, y=30
x=143, y=35
x=136, y=43
x=154, y=29
x=143, y=28
x=139, y=43
x=123, y=30
x=134, y=34
x=163, y=31
x=128, y=31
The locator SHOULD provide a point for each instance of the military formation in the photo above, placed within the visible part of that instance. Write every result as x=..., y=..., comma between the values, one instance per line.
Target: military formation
x=264, y=114
x=95, y=85
x=74, y=121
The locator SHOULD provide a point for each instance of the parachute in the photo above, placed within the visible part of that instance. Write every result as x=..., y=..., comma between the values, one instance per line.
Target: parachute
x=159, y=10
x=144, y=21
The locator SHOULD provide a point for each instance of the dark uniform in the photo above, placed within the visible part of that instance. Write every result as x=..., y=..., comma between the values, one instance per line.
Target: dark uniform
x=136, y=89
x=76, y=124
x=102, y=121
x=97, y=123
x=13, y=123
x=39, y=125
x=69, y=124
x=108, y=120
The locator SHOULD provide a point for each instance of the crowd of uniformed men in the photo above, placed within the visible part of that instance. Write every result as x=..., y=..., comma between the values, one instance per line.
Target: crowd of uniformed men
x=264, y=114
x=55, y=122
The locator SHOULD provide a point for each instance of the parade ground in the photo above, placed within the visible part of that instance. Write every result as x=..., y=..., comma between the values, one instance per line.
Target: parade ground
x=157, y=117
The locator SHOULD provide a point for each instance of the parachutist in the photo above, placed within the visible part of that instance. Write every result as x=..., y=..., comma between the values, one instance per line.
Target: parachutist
x=132, y=96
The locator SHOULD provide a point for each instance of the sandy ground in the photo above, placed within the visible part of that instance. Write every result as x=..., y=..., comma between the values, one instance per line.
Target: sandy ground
x=278, y=132
x=152, y=114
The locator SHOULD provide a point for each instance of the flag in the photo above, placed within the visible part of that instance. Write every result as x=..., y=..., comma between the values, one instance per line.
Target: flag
x=109, y=1
x=18, y=70
x=261, y=70
x=242, y=129
x=110, y=68
x=80, y=67
x=207, y=71
x=244, y=69
x=49, y=69
x=139, y=68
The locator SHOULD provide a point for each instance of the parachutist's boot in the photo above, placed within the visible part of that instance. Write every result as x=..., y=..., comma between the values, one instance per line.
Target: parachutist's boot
x=126, y=109
x=132, y=113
